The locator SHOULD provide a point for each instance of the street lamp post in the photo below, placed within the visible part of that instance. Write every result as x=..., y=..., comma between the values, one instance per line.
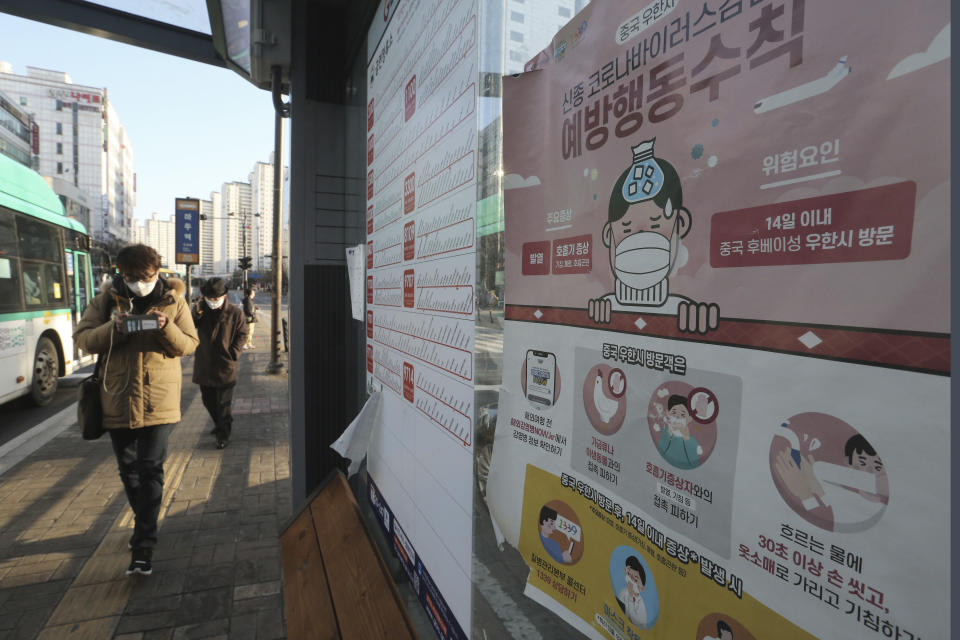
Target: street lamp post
x=245, y=261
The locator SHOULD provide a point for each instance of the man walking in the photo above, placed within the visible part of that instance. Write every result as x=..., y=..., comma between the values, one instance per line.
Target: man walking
x=223, y=333
x=250, y=312
x=140, y=392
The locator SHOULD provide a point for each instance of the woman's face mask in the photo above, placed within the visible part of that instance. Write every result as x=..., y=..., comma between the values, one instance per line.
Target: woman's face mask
x=215, y=303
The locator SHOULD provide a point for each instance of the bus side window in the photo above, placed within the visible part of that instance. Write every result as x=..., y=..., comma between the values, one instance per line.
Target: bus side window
x=38, y=240
x=9, y=285
x=32, y=284
x=8, y=236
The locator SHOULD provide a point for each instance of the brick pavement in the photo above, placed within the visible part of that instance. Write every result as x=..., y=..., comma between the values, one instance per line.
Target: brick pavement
x=64, y=524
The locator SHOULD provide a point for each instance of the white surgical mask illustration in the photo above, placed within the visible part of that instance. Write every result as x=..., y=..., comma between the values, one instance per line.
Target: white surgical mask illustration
x=141, y=288
x=642, y=260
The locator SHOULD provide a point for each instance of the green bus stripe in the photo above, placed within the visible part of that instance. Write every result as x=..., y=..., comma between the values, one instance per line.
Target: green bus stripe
x=27, y=315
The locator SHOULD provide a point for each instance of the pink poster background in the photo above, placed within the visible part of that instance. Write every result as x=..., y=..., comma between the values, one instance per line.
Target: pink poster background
x=890, y=131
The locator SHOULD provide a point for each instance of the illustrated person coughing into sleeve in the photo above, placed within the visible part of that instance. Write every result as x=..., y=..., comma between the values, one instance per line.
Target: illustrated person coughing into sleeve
x=141, y=374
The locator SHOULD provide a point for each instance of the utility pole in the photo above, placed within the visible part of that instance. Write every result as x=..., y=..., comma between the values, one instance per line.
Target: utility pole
x=281, y=111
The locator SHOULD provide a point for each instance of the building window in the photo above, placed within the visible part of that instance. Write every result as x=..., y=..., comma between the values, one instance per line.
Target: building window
x=59, y=167
x=59, y=104
x=23, y=101
x=60, y=148
x=516, y=36
x=516, y=16
x=564, y=12
x=59, y=128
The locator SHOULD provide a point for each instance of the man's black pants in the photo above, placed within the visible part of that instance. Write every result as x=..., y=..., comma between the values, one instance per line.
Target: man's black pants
x=218, y=401
x=140, y=454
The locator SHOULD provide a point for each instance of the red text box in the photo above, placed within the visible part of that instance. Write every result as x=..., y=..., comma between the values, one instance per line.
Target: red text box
x=369, y=254
x=370, y=115
x=409, y=193
x=370, y=150
x=409, y=241
x=370, y=323
x=573, y=255
x=408, y=381
x=410, y=99
x=369, y=289
x=856, y=226
x=370, y=184
x=370, y=358
x=536, y=258
x=408, y=288
x=370, y=219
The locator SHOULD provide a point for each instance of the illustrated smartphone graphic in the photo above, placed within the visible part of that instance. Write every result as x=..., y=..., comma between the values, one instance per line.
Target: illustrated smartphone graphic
x=541, y=376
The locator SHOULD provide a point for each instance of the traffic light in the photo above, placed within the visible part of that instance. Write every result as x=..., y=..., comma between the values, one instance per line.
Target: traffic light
x=245, y=263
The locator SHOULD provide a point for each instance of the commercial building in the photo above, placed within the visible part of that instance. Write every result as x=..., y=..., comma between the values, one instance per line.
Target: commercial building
x=77, y=204
x=17, y=132
x=80, y=139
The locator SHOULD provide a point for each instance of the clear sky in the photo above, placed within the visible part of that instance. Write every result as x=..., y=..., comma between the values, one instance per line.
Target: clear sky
x=193, y=126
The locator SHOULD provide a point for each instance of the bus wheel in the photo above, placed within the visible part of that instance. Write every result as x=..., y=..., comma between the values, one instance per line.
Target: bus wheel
x=46, y=365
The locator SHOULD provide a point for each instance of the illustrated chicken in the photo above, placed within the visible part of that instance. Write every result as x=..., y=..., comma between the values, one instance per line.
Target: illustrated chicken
x=606, y=406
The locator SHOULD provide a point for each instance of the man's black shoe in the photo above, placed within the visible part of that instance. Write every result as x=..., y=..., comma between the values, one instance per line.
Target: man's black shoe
x=140, y=562
x=221, y=444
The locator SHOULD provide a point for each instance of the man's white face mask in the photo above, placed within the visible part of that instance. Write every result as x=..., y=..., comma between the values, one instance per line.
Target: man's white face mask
x=215, y=303
x=642, y=259
x=675, y=423
x=141, y=288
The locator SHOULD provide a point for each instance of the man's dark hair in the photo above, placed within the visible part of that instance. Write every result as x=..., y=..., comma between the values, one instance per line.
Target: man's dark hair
x=634, y=563
x=546, y=513
x=676, y=399
x=723, y=626
x=138, y=260
x=857, y=444
x=671, y=190
x=247, y=292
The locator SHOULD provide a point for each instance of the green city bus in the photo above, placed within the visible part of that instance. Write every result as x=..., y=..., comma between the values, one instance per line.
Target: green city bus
x=45, y=284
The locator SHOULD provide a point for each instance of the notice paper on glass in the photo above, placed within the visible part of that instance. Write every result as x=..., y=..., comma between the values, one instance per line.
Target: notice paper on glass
x=355, y=258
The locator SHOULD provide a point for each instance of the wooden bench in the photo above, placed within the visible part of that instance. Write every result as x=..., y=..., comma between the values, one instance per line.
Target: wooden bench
x=335, y=582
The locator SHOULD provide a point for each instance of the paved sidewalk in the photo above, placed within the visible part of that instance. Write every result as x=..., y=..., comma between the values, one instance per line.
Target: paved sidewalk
x=64, y=525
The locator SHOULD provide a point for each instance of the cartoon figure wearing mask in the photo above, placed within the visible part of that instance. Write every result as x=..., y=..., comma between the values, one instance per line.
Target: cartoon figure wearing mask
x=646, y=220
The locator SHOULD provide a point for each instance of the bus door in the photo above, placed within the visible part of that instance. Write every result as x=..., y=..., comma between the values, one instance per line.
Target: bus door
x=80, y=282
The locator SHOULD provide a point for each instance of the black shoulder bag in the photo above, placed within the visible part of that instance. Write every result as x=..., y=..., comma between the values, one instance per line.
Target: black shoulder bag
x=89, y=408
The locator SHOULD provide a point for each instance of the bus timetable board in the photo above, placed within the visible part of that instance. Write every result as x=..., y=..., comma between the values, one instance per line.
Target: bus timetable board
x=420, y=293
x=188, y=230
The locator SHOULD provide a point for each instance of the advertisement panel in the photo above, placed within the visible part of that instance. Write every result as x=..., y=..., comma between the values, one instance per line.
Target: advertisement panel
x=725, y=401
x=188, y=230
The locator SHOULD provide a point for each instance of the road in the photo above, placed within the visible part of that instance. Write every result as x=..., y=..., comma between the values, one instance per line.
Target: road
x=20, y=415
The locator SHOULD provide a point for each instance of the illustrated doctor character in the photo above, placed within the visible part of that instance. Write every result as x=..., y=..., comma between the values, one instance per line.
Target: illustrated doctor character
x=646, y=220
x=630, y=597
x=856, y=492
